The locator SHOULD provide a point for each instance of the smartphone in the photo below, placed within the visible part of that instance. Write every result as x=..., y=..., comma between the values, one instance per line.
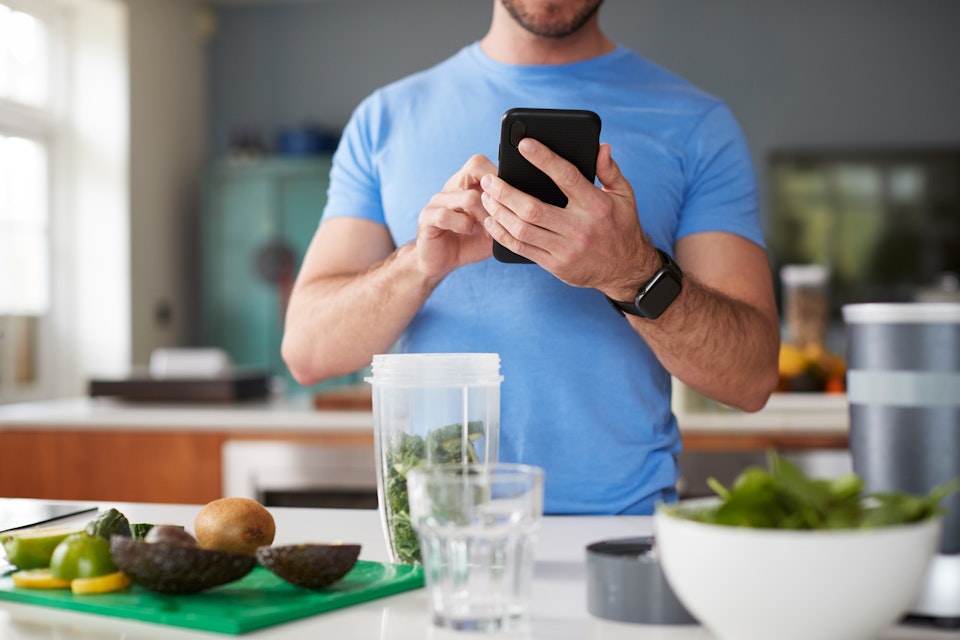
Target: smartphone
x=573, y=134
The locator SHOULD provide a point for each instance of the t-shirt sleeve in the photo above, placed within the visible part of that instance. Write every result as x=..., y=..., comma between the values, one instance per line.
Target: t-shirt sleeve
x=354, y=189
x=722, y=188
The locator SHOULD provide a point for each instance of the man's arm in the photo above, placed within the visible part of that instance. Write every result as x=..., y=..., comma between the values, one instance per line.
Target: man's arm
x=356, y=293
x=721, y=335
x=353, y=297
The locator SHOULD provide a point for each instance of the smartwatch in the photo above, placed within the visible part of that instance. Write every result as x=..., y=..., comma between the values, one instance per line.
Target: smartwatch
x=655, y=296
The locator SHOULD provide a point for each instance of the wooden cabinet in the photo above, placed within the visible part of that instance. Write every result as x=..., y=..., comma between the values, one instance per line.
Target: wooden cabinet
x=179, y=466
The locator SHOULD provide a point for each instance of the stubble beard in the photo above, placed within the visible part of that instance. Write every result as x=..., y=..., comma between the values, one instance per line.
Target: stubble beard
x=552, y=22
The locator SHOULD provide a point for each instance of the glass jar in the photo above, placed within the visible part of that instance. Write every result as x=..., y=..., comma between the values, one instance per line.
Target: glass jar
x=429, y=408
x=805, y=304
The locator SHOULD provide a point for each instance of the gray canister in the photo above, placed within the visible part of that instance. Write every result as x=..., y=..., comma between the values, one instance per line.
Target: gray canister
x=626, y=583
x=903, y=387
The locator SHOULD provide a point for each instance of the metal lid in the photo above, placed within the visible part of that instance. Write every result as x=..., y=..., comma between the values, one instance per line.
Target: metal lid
x=626, y=583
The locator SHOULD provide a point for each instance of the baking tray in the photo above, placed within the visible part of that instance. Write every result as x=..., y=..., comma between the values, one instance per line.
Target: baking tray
x=258, y=600
x=237, y=386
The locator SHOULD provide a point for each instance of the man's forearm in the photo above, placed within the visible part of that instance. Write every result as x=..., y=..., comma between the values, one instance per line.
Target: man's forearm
x=721, y=347
x=335, y=324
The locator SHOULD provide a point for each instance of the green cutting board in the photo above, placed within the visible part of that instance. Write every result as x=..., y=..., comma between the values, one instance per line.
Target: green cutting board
x=258, y=600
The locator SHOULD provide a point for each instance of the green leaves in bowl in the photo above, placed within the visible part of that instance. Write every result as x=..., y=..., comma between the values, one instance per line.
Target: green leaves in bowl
x=782, y=497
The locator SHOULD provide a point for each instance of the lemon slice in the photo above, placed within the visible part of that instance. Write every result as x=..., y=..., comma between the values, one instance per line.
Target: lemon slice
x=101, y=584
x=39, y=579
x=32, y=548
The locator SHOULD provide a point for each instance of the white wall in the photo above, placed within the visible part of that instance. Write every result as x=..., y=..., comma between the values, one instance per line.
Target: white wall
x=167, y=150
x=134, y=155
x=91, y=237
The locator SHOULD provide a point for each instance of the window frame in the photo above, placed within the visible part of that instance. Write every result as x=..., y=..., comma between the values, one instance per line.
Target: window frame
x=45, y=125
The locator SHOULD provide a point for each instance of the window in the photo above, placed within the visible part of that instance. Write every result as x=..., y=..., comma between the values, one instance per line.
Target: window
x=28, y=134
x=885, y=221
x=64, y=195
x=24, y=254
x=24, y=57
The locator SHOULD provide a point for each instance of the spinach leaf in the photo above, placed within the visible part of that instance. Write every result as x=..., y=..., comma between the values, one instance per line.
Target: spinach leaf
x=406, y=451
x=782, y=497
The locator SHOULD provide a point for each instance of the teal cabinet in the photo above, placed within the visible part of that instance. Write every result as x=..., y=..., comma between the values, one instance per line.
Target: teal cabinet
x=258, y=220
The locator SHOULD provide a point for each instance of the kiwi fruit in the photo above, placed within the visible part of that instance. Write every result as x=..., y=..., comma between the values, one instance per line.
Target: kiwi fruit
x=311, y=566
x=177, y=568
x=234, y=525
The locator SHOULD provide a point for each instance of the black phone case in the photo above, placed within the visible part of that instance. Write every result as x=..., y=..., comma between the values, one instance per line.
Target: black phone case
x=573, y=134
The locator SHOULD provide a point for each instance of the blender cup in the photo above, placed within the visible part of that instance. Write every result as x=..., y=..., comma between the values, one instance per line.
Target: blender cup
x=429, y=408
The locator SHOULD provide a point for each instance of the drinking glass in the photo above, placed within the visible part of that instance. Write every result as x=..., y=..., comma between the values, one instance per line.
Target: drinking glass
x=477, y=525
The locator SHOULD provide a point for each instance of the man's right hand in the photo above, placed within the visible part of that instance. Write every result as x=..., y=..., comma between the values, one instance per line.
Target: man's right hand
x=450, y=230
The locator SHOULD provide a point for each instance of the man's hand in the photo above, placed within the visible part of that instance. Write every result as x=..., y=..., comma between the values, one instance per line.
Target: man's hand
x=593, y=242
x=450, y=232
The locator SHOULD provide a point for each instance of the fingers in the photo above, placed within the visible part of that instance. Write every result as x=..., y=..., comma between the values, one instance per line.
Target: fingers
x=459, y=212
x=608, y=171
x=531, y=210
x=525, y=224
x=516, y=220
x=468, y=177
x=564, y=173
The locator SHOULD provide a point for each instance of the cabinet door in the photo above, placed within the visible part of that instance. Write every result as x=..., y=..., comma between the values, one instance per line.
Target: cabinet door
x=302, y=198
x=253, y=214
x=240, y=307
x=300, y=201
x=249, y=300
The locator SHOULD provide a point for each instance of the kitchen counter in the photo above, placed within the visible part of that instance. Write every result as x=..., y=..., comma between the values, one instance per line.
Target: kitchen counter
x=789, y=421
x=292, y=414
x=92, y=448
x=558, y=609
x=786, y=416
x=181, y=446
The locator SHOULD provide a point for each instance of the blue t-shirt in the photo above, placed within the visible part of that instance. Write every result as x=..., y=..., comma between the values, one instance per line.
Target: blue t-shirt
x=582, y=396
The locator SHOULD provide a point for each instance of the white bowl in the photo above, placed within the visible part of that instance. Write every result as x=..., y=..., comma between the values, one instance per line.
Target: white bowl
x=761, y=584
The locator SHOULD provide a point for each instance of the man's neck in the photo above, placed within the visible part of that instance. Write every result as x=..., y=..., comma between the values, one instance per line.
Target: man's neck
x=508, y=42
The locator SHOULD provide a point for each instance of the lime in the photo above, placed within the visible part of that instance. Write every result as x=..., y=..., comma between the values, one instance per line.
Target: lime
x=38, y=579
x=116, y=581
x=32, y=548
x=81, y=555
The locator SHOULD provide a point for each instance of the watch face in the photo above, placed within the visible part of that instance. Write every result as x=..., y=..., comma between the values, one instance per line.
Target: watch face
x=658, y=295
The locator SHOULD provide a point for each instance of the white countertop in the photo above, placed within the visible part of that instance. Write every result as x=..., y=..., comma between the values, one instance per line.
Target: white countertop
x=558, y=611
x=793, y=413
x=293, y=413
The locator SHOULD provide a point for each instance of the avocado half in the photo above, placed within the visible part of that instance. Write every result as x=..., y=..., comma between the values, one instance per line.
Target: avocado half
x=175, y=568
x=311, y=566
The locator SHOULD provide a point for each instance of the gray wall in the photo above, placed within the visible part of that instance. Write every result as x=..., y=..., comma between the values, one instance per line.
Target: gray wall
x=797, y=73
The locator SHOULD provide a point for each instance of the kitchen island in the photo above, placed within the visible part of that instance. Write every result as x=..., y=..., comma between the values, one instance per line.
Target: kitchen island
x=558, y=610
x=103, y=448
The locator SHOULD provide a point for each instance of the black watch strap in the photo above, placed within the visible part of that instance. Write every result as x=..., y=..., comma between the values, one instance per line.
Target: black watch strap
x=657, y=294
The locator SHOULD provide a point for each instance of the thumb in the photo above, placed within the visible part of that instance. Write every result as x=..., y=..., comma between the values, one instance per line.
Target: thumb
x=608, y=171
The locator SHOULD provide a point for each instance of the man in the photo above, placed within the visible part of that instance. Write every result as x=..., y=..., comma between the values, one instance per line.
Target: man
x=402, y=257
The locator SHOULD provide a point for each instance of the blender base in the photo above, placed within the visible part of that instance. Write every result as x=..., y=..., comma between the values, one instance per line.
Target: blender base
x=939, y=595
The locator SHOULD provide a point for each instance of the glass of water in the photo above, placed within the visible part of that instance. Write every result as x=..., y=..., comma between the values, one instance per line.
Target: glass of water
x=477, y=525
